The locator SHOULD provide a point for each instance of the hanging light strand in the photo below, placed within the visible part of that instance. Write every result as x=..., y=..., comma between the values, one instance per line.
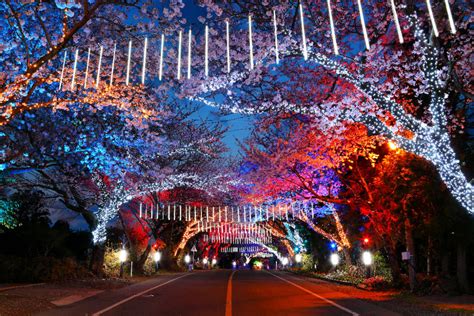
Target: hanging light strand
x=303, y=34
x=333, y=31
x=450, y=17
x=190, y=36
x=73, y=81
x=129, y=57
x=162, y=48
x=432, y=19
x=180, y=39
x=113, y=65
x=397, y=23
x=87, y=67
x=275, y=33
x=62, y=71
x=97, y=81
x=227, y=36
x=250, y=43
x=145, y=46
x=362, y=22
x=206, y=51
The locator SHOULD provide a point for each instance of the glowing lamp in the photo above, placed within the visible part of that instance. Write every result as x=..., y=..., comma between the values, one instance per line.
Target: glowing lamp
x=214, y=261
x=334, y=259
x=366, y=240
x=367, y=258
x=157, y=256
x=123, y=255
x=285, y=261
x=298, y=258
x=205, y=261
x=234, y=264
x=187, y=259
x=392, y=145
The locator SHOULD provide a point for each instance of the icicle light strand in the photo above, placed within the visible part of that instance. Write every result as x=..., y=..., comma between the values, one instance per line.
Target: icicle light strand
x=303, y=34
x=333, y=31
x=129, y=57
x=250, y=42
x=275, y=34
x=145, y=46
x=362, y=22
x=97, y=81
x=397, y=23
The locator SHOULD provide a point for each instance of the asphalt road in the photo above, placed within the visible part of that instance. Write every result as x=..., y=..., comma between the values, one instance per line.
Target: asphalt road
x=224, y=293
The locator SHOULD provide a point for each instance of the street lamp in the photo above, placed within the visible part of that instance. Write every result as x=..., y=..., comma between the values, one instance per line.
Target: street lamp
x=367, y=258
x=205, y=261
x=334, y=258
x=214, y=261
x=156, y=258
x=284, y=261
x=234, y=264
x=122, y=258
x=298, y=258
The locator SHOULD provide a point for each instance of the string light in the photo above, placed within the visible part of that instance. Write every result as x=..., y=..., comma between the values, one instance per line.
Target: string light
x=129, y=57
x=87, y=67
x=145, y=46
x=206, y=51
x=397, y=23
x=333, y=31
x=227, y=36
x=178, y=76
x=62, y=70
x=162, y=47
x=303, y=33
x=113, y=65
x=450, y=17
x=73, y=81
x=190, y=36
x=98, y=67
x=275, y=33
x=432, y=19
x=362, y=21
x=250, y=42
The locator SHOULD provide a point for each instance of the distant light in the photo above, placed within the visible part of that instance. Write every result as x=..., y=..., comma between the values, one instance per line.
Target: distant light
x=366, y=240
x=214, y=261
x=284, y=261
x=334, y=259
x=187, y=259
x=205, y=261
x=333, y=245
x=392, y=145
x=234, y=264
x=157, y=256
x=298, y=258
x=123, y=255
x=367, y=258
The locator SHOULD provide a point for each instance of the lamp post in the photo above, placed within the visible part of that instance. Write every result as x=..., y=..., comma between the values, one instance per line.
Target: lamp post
x=122, y=258
x=298, y=259
x=284, y=261
x=334, y=259
x=205, y=261
x=214, y=261
x=367, y=260
x=156, y=258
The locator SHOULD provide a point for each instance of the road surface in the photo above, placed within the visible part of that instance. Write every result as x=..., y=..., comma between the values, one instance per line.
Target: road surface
x=224, y=293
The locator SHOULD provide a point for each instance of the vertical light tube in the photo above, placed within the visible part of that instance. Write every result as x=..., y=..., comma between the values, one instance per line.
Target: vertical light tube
x=190, y=36
x=250, y=42
x=180, y=39
x=432, y=19
x=73, y=81
x=362, y=21
x=87, y=67
x=450, y=17
x=127, y=79
x=227, y=37
x=145, y=46
x=206, y=51
x=333, y=31
x=397, y=23
x=98, y=67
x=303, y=33
x=160, y=72
x=275, y=33
x=113, y=65
x=62, y=71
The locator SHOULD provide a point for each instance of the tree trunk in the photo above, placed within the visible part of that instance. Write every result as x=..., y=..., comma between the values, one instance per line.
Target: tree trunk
x=97, y=260
x=411, y=249
x=347, y=256
x=428, y=256
x=461, y=272
x=139, y=265
x=394, y=266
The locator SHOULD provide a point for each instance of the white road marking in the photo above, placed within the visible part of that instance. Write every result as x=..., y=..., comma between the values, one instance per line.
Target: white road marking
x=228, y=299
x=316, y=295
x=136, y=295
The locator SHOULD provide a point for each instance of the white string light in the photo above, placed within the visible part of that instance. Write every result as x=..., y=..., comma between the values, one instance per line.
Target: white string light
x=397, y=23
x=62, y=71
x=162, y=48
x=98, y=67
x=180, y=38
x=73, y=81
x=87, y=67
x=333, y=31
x=145, y=46
x=303, y=34
x=113, y=65
x=206, y=51
x=227, y=37
x=275, y=33
x=250, y=42
x=190, y=36
x=362, y=21
x=450, y=17
x=129, y=57
x=432, y=19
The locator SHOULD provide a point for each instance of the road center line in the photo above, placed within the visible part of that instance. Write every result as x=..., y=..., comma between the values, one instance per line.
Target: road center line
x=316, y=295
x=228, y=299
x=136, y=295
